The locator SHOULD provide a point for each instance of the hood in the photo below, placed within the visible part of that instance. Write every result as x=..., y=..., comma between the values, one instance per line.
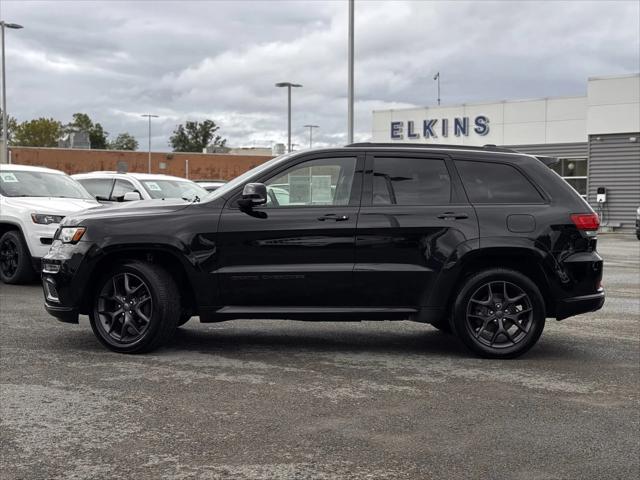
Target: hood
x=141, y=208
x=53, y=205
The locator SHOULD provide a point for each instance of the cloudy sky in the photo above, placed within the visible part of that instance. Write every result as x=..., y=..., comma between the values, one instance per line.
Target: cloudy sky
x=194, y=60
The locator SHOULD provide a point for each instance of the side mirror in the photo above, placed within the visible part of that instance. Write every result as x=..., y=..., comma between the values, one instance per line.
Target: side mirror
x=253, y=194
x=131, y=197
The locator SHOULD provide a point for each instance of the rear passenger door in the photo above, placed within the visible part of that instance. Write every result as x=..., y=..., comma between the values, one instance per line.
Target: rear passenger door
x=413, y=218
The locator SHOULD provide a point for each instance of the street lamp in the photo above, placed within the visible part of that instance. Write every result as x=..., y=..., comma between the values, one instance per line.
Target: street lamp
x=149, y=116
x=350, y=73
x=289, y=85
x=311, y=127
x=5, y=146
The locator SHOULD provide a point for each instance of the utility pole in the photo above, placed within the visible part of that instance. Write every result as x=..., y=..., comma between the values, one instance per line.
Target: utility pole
x=437, y=77
x=5, y=120
x=311, y=127
x=350, y=68
x=149, y=116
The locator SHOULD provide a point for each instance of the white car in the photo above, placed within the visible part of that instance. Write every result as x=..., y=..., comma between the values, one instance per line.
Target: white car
x=123, y=187
x=33, y=201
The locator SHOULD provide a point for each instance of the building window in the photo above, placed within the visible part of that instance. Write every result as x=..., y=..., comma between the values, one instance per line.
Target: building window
x=574, y=171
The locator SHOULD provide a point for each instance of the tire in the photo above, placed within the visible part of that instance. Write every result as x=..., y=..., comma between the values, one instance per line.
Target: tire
x=491, y=327
x=135, y=308
x=15, y=259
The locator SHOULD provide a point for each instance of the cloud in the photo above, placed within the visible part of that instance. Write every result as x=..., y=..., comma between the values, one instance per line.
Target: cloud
x=220, y=60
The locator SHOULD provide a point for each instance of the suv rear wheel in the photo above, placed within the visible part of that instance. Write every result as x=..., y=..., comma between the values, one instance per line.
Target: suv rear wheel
x=499, y=313
x=15, y=260
x=136, y=308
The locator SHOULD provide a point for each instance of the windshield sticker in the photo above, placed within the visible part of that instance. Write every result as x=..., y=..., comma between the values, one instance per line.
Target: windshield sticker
x=153, y=186
x=8, y=177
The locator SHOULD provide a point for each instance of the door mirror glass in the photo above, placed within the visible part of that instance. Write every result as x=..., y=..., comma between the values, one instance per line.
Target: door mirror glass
x=253, y=194
x=131, y=197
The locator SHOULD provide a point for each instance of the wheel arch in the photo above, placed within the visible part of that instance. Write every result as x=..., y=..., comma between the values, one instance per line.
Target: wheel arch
x=528, y=261
x=165, y=256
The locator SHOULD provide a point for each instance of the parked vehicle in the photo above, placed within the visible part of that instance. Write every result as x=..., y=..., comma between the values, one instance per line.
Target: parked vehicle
x=483, y=242
x=210, y=185
x=109, y=187
x=638, y=223
x=33, y=201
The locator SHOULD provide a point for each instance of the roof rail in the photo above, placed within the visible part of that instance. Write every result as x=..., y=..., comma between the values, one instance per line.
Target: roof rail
x=488, y=147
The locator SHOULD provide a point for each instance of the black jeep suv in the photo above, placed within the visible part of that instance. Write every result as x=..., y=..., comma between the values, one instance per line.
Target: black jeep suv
x=482, y=242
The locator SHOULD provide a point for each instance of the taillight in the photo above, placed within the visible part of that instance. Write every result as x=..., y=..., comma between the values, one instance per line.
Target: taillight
x=586, y=221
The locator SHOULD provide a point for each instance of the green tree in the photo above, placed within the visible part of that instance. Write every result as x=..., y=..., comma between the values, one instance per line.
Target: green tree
x=40, y=132
x=124, y=141
x=97, y=136
x=13, y=123
x=196, y=136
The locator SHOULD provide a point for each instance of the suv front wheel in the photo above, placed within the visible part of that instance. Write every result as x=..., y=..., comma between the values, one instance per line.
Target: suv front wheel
x=15, y=261
x=499, y=313
x=136, y=308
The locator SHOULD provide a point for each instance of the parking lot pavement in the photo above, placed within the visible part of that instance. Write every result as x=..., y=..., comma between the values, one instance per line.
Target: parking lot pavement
x=276, y=399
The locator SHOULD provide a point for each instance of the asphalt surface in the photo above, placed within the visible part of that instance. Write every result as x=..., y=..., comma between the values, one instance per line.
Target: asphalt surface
x=293, y=400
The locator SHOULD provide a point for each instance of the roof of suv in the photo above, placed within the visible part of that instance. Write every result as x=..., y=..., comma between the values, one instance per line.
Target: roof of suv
x=139, y=176
x=489, y=148
x=28, y=168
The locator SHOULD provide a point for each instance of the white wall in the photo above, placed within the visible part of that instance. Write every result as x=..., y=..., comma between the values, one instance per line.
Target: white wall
x=611, y=106
x=614, y=105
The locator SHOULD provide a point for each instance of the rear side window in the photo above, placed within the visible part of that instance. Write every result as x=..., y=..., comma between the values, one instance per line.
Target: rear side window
x=410, y=181
x=98, y=187
x=487, y=182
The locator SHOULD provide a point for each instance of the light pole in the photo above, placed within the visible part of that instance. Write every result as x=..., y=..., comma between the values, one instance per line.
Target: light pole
x=350, y=87
x=311, y=127
x=437, y=77
x=289, y=85
x=5, y=145
x=149, y=116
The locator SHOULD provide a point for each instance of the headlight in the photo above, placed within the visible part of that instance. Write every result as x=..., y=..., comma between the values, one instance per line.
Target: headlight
x=46, y=219
x=71, y=234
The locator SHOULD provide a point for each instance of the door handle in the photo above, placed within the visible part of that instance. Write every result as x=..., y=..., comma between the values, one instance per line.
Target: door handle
x=334, y=217
x=453, y=216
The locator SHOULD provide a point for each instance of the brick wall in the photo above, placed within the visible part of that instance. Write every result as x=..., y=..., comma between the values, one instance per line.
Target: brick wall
x=201, y=165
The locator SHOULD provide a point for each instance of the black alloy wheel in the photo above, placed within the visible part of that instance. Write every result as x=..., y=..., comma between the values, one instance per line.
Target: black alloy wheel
x=499, y=313
x=15, y=260
x=136, y=307
x=125, y=308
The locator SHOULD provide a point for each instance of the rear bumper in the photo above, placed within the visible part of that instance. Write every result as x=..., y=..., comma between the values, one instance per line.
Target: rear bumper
x=569, y=307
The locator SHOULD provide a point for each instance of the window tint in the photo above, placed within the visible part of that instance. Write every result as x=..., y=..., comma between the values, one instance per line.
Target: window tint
x=410, y=181
x=496, y=183
x=98, y=187
x=120, y=188
x=327, y=181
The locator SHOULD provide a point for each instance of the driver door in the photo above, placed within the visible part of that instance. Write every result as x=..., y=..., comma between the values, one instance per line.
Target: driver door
x=298, y=249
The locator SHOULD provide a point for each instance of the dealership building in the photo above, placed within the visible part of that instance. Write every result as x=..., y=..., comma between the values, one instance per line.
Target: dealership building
x=596, y=137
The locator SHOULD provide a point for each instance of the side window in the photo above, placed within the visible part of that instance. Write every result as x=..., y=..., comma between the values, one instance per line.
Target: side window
x=120, y=188
x=487, y=182
x=326, y=181
x=410, y=181
x=98, y=187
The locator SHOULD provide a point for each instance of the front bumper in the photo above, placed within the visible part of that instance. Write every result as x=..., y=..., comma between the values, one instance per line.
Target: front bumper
x=65, y=277
x=571, y=306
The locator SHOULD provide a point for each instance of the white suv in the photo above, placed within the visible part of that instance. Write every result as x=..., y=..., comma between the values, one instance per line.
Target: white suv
x=33, y=201
x=119, y=187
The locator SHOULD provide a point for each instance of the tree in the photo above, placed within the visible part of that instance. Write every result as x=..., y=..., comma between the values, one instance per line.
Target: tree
x=124, y=141
x=195, y=137
x=41, y=132
x=13, y=123
x=83, y=123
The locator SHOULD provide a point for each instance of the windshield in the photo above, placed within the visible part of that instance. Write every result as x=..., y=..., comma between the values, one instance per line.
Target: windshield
x=231, y=185
x=170, y=188
x=25, y=183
